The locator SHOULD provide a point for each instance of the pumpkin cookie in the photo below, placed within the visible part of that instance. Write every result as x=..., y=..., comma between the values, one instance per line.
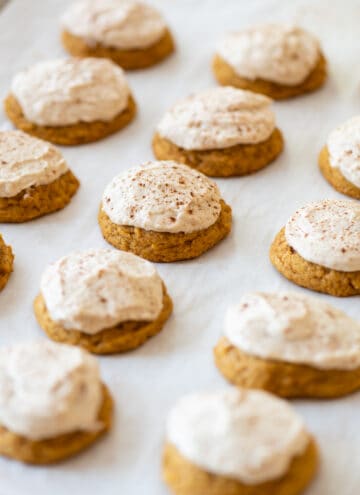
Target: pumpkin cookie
x=339, y=160
x=291, y=345
x=280, y=61
x=6, y=262
x=132, y=34
x=103, y=300
x=72, y=101
x=320, y=248
x=164, y=212
x=229, y=443
x=221, y=132
x=34, y=178
x=52, y=402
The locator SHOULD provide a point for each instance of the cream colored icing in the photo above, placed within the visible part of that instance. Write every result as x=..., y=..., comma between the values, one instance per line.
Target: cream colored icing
x=48, y=389
x=294, y=328
x=344, y=150
x=162, y=196
x=122, y=24
x=218, y=118
x=68, y=91
x=100, y=288
x=284, y=54
x=327, y=233
x=247, y=435
x=26, y=161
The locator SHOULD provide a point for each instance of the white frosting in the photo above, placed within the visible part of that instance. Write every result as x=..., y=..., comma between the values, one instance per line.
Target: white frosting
x=284, y=54
x=26, y=161
x=344, y=150
x=68, y=91
x=218, y=118
x=48, y=389
x=122, y=24
x=162, y=196
x=247, y=435
x=294, y=328
x=327, y=233
x=98, y=289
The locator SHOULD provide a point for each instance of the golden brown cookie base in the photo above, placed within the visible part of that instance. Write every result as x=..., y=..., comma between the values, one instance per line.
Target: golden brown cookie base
x=282, y=378
x=162, y=246
x=242, y=159
x=37, y=201
x=226, y=76
x=127, y=59
x=335, y=177
x=310, y=275
x=121, y=338
x=185, y=478
x=6, y=262
x=81, y=133
x=58, y=448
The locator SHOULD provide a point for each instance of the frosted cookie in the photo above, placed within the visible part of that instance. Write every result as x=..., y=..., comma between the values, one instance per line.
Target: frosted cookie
x=320, y=247
x=52, y=402
x=6, y=262
x=131, y=33
x=339, y=160
x=163, y=211
x=291, y=345
x=220, y=132
x=238, y=442
x=34, y=178
x=104, y=300
x=70, y=101
x=278, y=60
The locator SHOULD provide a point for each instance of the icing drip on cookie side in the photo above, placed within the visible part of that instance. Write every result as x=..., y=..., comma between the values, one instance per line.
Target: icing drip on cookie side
x=247, y=435
x=294, y=328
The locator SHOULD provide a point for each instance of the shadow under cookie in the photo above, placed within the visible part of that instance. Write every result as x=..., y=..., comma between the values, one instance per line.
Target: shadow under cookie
x=80, y=133
x=123, y=337
x=285, y=379
x=335, y=177
x=163, y=246
x=241, y=159
x=58, y=448
x=227, y=76
x=185, y=478
x=6, y=262
x=139, y=58
x=310, y=275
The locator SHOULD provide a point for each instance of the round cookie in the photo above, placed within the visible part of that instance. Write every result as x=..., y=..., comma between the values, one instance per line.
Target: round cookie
x=229, y=443
x=71, y=101
x=221, y=132
x=278, y=60
x=131, y=33
x=163, y=211
x=291, y=345
x=53, y=403
x=320, y=248
x=103, y=300
x=339, y=160
x=6, y=262
x=34, y=178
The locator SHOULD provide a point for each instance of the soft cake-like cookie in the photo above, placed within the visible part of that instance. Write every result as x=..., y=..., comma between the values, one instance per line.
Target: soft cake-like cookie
x=220, y=132
x=131, y=33
x=291, y=345
x=34, y=178
x=71, y=101
x=238, y=442
x=6, y=262
x=278, y=60
x=163, y=211
x=320, y=247
x=52, y=402
x=104, y=300
x=339, y=160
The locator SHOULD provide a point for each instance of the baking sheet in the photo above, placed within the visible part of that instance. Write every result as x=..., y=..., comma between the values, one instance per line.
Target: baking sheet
x=146, y=382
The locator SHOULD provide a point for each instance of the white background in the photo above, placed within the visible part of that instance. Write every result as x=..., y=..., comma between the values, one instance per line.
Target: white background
x=146, y=382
